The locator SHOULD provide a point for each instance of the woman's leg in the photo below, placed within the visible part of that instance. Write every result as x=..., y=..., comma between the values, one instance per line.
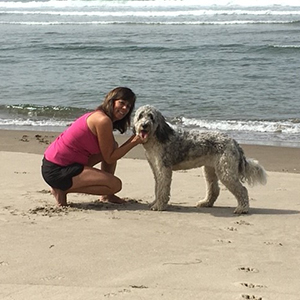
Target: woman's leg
x=106, y=197
x=109, y=168
x=90, y=181
x=95, y=182
x=97, y=158
x=60, y=196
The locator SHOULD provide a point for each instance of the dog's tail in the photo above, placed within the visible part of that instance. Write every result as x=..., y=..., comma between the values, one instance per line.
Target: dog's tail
x=251, y=171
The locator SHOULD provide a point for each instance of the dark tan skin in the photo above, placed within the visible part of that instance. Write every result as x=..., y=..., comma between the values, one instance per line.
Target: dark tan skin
x=102, y=181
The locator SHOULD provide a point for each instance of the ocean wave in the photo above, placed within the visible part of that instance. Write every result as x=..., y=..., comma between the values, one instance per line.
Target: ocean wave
x=281, y=126
x=278, y=138
x=32, y=123
x=28, y=112
x=57, y=119
x=285, y=46
x=49, y=118
x=158, y=13
x=277, y=48
x=35, y=115
x=144, y=13
x=274, y=127
x=149, y=3
x=211, y=23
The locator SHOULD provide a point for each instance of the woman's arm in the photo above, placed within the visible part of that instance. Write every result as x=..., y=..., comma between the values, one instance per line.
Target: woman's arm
x=102, y=126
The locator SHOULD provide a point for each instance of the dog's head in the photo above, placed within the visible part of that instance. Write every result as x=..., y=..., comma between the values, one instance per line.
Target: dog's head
x=149, y=122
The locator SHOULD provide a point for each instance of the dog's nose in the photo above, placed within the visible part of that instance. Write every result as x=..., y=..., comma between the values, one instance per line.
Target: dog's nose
x=144, y=126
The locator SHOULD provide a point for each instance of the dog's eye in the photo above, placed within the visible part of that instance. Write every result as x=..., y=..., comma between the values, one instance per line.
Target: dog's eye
x=140, y=116
x=151, y=117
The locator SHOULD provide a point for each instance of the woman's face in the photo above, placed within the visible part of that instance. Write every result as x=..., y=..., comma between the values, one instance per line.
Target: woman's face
x=121, y=109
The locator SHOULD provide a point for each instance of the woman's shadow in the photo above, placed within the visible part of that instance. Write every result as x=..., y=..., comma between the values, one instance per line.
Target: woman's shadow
x=129, y=204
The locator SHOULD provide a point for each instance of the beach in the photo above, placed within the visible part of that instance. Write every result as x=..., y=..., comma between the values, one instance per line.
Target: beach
x=92, y=250
x=230, y=66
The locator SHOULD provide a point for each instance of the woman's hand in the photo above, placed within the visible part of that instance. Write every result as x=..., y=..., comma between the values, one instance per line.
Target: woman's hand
x=138, y=138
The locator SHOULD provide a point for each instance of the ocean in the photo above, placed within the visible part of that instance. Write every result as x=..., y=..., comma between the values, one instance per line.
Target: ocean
x=232, y=66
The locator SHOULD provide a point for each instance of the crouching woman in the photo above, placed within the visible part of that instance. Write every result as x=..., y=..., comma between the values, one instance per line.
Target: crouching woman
x=68, y=163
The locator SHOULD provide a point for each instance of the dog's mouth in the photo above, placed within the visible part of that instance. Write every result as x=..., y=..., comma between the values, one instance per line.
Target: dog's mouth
x=143, y=134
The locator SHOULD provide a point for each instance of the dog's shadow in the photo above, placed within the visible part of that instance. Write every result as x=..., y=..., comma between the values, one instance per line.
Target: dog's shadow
x=139, y=205
x=222, y=211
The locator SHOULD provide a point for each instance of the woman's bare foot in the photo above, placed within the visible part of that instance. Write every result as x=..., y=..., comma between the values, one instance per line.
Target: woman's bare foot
x=60, y=197
x=112, y=199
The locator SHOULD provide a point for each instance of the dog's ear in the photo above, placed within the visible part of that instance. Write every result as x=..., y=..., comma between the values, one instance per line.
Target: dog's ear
x=163, y=130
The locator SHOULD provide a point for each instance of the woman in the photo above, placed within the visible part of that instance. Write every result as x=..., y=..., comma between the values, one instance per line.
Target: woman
x=68, y=163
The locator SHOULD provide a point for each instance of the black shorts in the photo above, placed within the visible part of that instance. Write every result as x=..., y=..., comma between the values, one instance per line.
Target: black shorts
x=60, y=177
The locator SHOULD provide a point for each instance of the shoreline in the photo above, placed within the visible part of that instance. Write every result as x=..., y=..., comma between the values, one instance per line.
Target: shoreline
x=273, y=158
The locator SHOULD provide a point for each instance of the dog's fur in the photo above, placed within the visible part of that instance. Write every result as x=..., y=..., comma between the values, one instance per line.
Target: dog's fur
x=169, y=149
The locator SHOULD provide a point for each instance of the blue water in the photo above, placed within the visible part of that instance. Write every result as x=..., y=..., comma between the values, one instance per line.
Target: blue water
x=229, y=66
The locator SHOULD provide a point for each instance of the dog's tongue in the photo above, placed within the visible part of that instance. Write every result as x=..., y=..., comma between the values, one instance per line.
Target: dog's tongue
x=143, y=134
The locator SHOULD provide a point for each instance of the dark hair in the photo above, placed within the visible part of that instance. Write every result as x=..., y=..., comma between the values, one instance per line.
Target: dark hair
x=107, y=106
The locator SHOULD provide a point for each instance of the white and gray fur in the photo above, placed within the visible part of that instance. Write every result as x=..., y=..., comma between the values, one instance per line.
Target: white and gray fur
x=169, y=149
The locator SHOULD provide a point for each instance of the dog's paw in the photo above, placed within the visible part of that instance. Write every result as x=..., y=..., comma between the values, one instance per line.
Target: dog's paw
x=241, y=210
x=204, y=203
x=158, y=206
x=152, y=203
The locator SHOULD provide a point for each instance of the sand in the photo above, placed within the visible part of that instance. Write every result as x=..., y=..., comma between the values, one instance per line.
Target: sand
x=93, y=250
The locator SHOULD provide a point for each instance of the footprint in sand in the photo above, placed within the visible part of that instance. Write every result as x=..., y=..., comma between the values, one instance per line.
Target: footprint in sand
x=44, y=191
x=41, y=139
x=248, y=269
x=231, y=228
x=242, y=222
x=138, y=286
x=224, y=241
x=252, y=297
x=24, y=138
x=117, y=293
x=252, y=285
x=51, y=278
x=49, y=211
x=272, y=243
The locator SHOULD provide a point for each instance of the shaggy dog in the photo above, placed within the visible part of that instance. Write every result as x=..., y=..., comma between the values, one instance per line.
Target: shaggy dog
x=169, y=149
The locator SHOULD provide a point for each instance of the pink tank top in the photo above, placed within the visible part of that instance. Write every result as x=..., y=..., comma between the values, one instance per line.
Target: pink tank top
x=75, y=145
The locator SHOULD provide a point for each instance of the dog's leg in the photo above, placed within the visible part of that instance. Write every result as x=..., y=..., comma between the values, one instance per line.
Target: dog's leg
x=153, y=168
x=240, y=193
x=163, y=178
x=212, y=187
